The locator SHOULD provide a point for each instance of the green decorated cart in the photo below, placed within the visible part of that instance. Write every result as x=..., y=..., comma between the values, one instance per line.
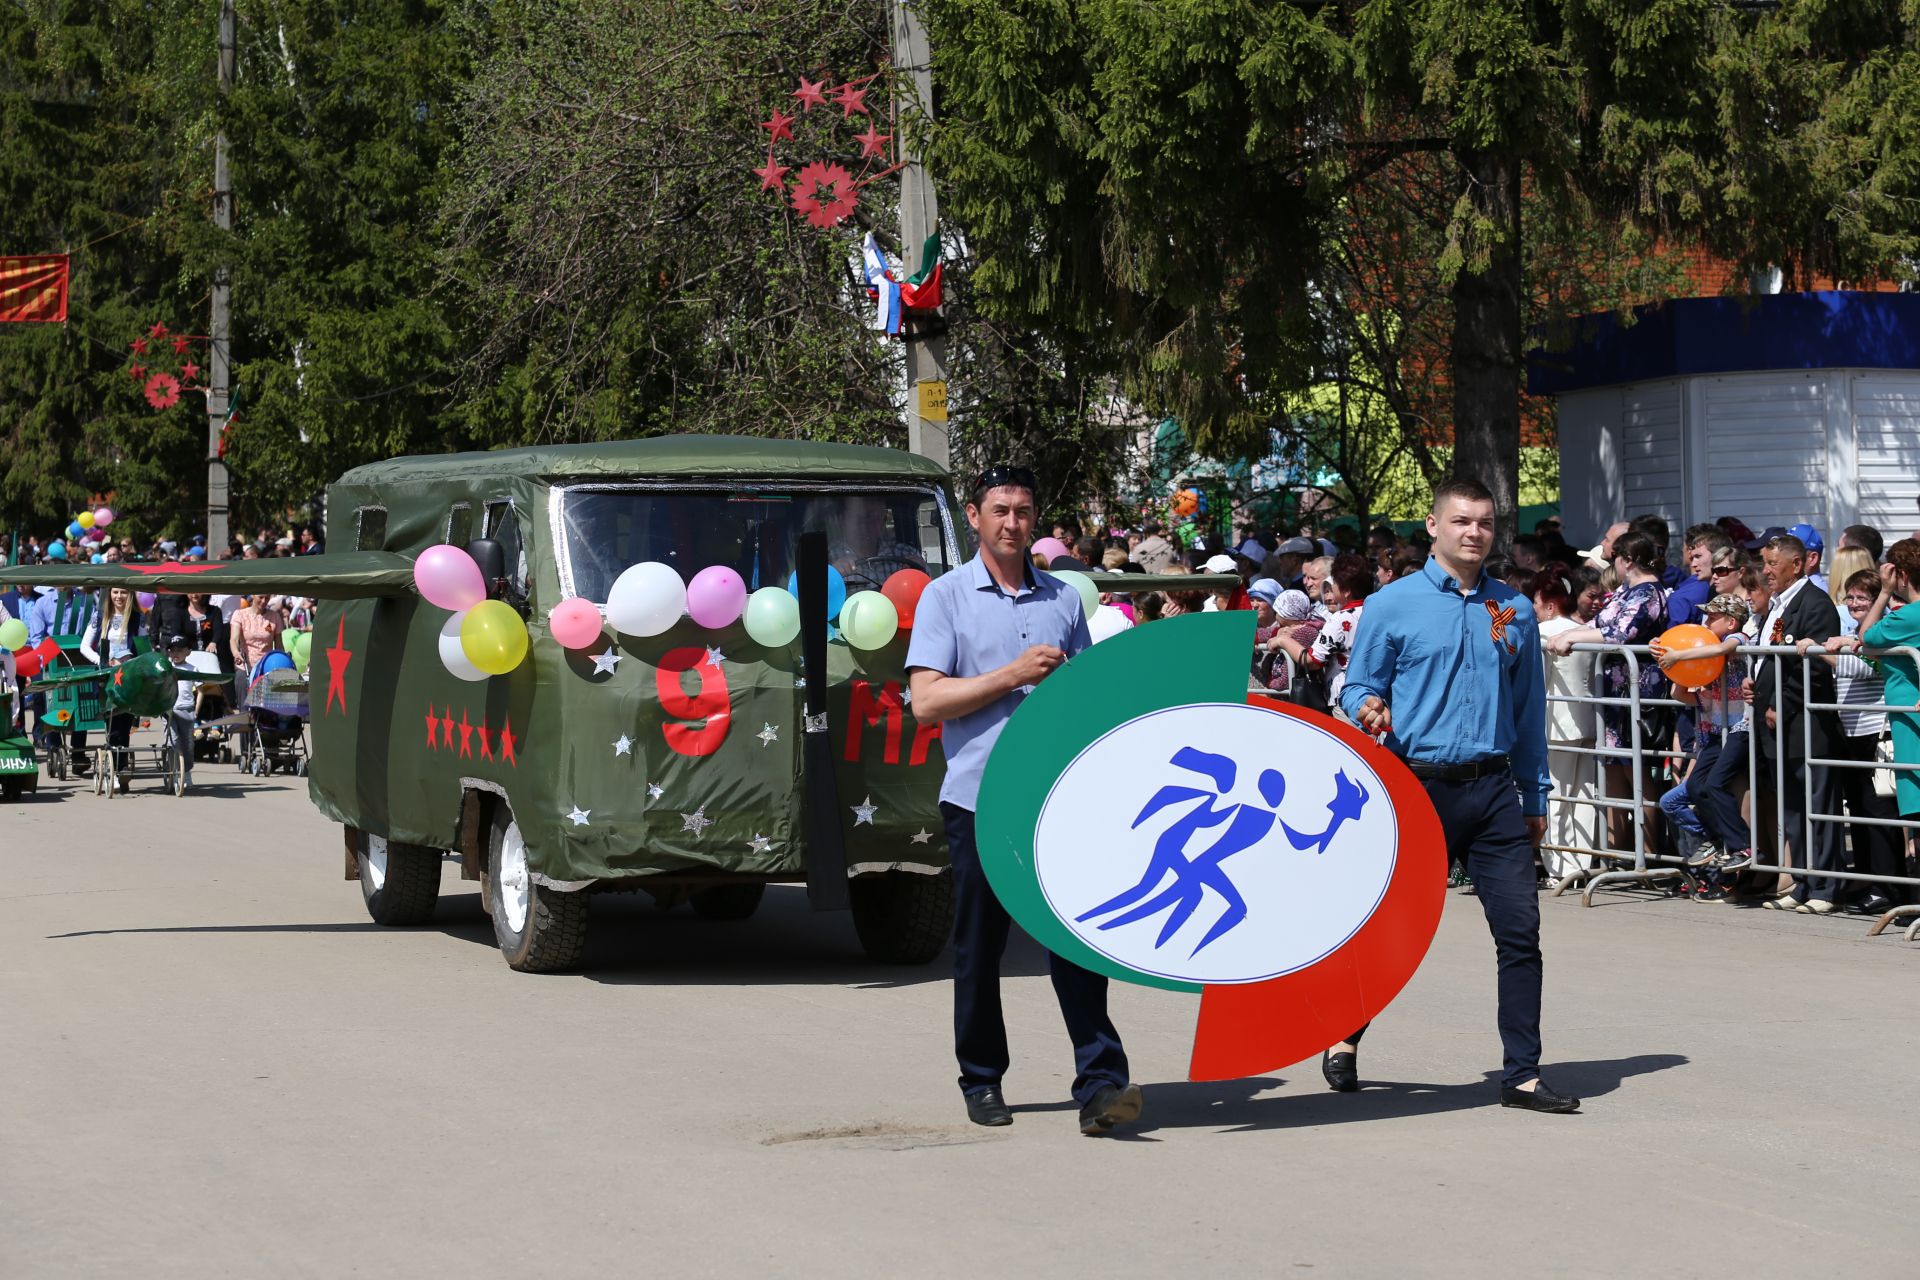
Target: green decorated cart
x=19, y=766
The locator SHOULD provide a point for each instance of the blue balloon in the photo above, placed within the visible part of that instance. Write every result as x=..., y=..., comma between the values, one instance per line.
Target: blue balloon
x=56, y=551
x=74, y=530
x=836, y=590
x=275, y=661
x=98, y=558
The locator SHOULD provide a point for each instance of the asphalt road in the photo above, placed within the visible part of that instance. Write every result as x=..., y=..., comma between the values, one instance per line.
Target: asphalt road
x=216, y=1066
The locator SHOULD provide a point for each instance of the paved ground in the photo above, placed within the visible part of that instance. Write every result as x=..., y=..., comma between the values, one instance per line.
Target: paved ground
x=216, y=1066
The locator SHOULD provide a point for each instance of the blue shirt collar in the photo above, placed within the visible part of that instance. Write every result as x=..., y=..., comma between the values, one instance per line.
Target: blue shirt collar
x=979, y=579
x=1445, y=581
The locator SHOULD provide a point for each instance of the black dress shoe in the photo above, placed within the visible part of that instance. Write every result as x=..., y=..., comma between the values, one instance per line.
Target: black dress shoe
x=1111, y=1106
x=1538, y=1098
x=1342, y=1071
x=989, y=1108
x=1872, y=905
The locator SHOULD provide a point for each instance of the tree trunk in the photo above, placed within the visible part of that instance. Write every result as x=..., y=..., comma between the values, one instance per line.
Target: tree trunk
x=1487, y=342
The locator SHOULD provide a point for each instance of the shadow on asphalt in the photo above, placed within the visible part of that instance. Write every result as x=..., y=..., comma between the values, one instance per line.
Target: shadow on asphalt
x=1236, y=1105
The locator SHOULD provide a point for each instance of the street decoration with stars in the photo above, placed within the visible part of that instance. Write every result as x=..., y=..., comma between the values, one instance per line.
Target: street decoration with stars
x=826, y=192
x=1278, y=862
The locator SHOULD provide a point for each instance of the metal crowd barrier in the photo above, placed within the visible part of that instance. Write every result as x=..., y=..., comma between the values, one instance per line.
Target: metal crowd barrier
x=1640, y=866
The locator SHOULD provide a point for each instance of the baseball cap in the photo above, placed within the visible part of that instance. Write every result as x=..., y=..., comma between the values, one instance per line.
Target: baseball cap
x=1728, y=603
x=1253, y=551
x=1299, y=547
x=1808, y=535
x=179, y=642
x=1265, y=589
x=1771, y=532
x=1221, y=563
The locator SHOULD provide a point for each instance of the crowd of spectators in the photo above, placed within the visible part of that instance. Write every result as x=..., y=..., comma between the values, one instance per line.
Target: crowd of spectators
x=267, y=543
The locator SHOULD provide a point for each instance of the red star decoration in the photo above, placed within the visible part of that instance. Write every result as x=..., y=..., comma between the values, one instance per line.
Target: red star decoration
x=446, y=728
x=120, y=676
x=338, y=655
x=811, y=94
x=433, y=728
x=189, y=371
x=466, y=736
x=850, y=100
x=872, y=142
x=486, y=740
x=158, y=331
x=139, y=346
x=138, y=373
x=171, y=566
x=506, y=744
x=771, y=176
x=180, y=346
x=779, y=127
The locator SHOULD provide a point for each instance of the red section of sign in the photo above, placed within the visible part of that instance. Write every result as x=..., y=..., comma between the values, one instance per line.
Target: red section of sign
x=709, y=704
x=865, y=709
x=34, y=288
x=1249, y=1028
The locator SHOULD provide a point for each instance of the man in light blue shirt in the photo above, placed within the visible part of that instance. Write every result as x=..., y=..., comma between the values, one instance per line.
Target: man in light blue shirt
x=983, y=637
x=1446, y=671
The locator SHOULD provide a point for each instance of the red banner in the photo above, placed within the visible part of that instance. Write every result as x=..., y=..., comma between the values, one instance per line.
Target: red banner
x=34, y=288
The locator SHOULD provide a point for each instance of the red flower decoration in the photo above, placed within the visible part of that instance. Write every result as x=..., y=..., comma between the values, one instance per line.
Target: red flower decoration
x=825, y=194
x=163, y=391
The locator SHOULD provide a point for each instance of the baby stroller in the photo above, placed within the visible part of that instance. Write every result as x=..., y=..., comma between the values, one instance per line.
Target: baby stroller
x=214, y=718
x=277, y=704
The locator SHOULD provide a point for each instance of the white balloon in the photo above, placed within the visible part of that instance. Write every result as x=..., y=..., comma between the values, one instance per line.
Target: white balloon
x=646, y=599
x=1107, y=622
x=452, y=656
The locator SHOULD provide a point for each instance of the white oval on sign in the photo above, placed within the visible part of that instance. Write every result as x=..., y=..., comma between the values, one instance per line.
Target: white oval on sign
x=1216, y=843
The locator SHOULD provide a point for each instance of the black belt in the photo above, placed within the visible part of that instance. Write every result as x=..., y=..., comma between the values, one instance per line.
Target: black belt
x=1491, y=767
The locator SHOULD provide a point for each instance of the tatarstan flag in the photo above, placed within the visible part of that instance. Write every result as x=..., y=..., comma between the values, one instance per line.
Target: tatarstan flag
x=34, y=288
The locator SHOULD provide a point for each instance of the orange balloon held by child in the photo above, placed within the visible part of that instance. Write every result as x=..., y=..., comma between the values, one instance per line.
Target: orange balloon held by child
x=1693, y=673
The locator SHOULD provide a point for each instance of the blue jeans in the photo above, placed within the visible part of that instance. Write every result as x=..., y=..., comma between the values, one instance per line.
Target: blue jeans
x=1703, y=806
x=980, y=928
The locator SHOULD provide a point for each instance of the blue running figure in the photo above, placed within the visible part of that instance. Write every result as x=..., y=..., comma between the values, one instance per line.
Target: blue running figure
x=1247, y=825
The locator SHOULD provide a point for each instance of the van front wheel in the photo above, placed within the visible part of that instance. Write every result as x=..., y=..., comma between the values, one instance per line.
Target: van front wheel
x=400, y=883
x=902, y=917
x=539, y=929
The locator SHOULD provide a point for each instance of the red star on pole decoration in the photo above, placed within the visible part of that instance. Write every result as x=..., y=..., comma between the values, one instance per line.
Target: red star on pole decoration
x=773, y=175
x=872, y=142
x=139, y=346
x=778, y=127
x=338, y=655
x=157, y=331
x=811, y=94
x=850, y=100
x=180, y=346
x=138, y=373
x=189, y=371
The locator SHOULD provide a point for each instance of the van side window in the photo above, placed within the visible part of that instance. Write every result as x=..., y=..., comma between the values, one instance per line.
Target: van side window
x=460, y=524
x=504, y=528
x=370, y=525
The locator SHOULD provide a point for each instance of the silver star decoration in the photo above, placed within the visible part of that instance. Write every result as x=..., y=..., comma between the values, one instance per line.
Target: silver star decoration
x=697, y=821
x=906, y=696
x=623, y=745
x=579, y=816
x=654, y=790
x=759, y=843
x=864, y=812
x=922, y=836
x=604, y=663
x=817, y=724
x=799, y=682
x=714, y=656
x=768, y=735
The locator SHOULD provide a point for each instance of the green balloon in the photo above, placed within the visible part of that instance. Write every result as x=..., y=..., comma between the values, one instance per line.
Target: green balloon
x=13, y=635
x=142, y=686
x=772, y=617
x=1089, y=594
x=868, y=620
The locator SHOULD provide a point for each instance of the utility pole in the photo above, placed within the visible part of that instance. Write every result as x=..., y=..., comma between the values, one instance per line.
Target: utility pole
x=919, y=218
x=219, y=362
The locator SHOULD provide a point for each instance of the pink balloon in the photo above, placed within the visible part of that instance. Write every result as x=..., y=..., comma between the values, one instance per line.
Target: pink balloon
x=575, y=622
x=1051, y=548
x=103, y=517
x=146, y=599
x=448, y=578
x=716, y=596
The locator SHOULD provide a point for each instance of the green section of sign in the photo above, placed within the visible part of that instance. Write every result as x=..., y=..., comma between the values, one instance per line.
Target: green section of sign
x=1200, y=657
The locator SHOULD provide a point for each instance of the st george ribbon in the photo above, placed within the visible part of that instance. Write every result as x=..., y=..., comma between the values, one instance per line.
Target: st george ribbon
x=1145, y=817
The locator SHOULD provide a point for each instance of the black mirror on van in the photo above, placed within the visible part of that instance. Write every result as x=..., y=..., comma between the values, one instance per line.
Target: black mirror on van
x=492, y=559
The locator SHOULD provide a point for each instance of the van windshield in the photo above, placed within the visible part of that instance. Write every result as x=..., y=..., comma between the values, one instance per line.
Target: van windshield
x=871, y=533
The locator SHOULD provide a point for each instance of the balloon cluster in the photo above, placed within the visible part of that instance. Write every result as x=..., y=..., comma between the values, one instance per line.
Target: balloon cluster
x=483, y=637
x=27, y=663
x=299, y=647
x=649, y=598
x=88, y=529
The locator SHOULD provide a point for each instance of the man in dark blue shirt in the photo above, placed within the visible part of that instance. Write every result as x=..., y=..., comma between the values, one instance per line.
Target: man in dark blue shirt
x=1446, y=671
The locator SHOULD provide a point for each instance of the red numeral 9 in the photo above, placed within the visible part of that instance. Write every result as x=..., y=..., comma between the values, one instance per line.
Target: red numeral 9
x=709, y=703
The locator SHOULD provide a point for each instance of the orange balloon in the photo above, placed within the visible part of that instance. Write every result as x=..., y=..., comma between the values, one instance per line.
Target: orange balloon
x=903, y=587
x=1185, y=502
x=1693, y=673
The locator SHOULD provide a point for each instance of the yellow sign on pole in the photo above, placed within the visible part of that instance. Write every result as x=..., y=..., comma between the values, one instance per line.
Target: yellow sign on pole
x=931, y=400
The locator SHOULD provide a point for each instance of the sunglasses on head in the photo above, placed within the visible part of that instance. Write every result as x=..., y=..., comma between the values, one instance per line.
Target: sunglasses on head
x=1018, y=477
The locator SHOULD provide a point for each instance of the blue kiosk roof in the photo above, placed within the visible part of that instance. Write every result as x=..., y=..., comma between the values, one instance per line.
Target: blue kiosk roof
x=1744, y=334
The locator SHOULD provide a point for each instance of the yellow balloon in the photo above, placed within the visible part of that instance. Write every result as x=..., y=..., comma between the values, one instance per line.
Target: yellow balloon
x=84, y=519
x=494, y=637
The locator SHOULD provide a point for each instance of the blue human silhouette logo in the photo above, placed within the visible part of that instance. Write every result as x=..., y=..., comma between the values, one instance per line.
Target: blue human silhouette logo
x=1193, y=874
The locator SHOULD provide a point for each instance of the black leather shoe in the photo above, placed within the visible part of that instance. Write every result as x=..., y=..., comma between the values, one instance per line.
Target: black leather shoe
x=989, y=1108
x=1342, y=1071
x=1538, y=1098
x=1109, y=1107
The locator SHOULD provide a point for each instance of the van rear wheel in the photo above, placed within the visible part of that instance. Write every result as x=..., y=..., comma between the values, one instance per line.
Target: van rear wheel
x=902, y=917
x=539, y=929
x=400, y=883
